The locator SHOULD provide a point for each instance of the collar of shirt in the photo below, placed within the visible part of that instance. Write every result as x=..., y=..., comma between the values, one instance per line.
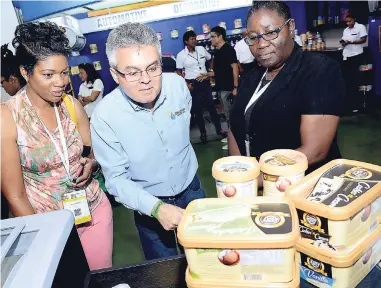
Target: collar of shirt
x=136, y=107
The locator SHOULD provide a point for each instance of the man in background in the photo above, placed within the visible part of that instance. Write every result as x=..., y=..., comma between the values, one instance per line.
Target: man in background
x=192, y=59
x=354, y=37
x=226, y=71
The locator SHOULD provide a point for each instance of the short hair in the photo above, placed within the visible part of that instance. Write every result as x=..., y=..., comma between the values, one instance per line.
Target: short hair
x=9, y=65
x=130, y=34
x=280, y=7
x=350, y=15
x=220, y=31
x=188, y=35
x=92, y=74
x=37, y=41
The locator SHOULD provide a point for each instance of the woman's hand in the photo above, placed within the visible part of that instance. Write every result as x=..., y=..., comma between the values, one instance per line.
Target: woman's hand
x=84, y=174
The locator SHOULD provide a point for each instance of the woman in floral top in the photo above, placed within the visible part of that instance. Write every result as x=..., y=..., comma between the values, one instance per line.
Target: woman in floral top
x=35, y=173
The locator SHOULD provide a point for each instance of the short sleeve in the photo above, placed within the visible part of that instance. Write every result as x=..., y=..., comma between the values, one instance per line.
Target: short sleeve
x=232, y=56
x=180, y=61
x=325, y=93
x=237, y=51
x=98, y=85
x=81, y=92
x=363, y=32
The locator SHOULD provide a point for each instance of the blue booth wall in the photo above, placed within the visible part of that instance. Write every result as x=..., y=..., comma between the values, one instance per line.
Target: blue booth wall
x=172, y=46
x=374, y=48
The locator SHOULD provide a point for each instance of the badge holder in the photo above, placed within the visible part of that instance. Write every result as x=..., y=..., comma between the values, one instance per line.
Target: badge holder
x=76, y=203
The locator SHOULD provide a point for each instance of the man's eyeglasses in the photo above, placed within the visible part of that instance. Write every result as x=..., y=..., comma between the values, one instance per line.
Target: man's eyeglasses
x=134, y=75
x=268, y=36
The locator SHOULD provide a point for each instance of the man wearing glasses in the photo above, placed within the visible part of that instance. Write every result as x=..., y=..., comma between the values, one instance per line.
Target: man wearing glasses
x=293, y=101
x=140, y=137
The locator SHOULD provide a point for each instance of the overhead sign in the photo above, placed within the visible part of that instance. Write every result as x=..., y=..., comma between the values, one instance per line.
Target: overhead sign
x=156, y=13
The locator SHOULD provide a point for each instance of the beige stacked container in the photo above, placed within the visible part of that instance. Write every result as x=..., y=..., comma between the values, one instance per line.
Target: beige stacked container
x=236, y=176
x=339, y=209
x=281, y=168
x=243, y=242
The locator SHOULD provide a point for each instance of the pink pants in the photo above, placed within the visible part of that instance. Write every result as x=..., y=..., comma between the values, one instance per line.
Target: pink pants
x=97, y=236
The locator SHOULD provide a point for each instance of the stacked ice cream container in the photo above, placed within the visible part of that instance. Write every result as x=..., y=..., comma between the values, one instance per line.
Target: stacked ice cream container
x=240, y=240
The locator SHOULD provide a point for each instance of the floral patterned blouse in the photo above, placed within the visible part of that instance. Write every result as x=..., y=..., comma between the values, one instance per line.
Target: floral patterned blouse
x=45, y=177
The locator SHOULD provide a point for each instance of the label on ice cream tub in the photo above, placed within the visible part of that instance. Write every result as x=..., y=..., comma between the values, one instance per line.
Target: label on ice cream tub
x=314, y=271
x=277, y=185
x=241, y=264
x=338, y=235
x=245, y=220
x=343, y=184
x=236, y=166
x=231, y=190
x=324, y=275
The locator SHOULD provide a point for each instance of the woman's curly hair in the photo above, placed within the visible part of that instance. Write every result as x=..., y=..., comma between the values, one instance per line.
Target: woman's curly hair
x=37, y=41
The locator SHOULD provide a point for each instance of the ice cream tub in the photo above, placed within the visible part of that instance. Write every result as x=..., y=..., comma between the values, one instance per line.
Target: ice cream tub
x=195, y=282
x=327, y=268
x=339, y=204
x=281, y=168
x=236, y=176
x=242, y=239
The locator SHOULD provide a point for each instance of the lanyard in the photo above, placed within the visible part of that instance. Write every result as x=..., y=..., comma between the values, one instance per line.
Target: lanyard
x=63, y=153
x=258, y=93
x=198, y=62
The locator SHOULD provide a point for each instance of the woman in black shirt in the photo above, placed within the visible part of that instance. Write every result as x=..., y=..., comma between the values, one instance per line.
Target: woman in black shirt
x=294, y=101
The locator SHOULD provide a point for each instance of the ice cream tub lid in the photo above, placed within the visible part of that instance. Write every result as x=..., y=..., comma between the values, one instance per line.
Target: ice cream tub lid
x=242, y=223
x=338, y=190
x=283, y=162
x=235, y=169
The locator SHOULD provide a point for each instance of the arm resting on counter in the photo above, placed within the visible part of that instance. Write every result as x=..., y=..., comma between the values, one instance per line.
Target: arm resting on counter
x=232, y=145
x=114, y=161
x=12, y=180
x=317, y=133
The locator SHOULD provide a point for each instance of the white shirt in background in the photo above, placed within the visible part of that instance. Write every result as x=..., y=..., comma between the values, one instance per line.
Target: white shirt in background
x=242, y=50
x=86, y=89
x=354, y=34
x=192, y=63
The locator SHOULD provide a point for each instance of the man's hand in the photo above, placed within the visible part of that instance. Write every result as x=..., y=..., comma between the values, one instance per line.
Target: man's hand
x=202, y=77
x=190, y=87
x=234, y=92
x=170, y=216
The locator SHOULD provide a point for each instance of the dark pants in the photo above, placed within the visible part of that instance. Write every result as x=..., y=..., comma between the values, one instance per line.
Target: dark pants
x=202, y=95
x=353, y=79
x=4, y=208
x=156, y=241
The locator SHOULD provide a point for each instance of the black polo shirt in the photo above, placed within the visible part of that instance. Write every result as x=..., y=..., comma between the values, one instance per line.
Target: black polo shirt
x=308, y=84
x=223, y=71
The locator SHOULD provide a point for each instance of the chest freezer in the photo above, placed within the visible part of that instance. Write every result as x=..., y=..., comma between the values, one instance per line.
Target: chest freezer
x=41, y=251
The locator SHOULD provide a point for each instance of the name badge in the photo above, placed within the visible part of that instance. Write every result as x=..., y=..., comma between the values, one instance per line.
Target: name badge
x=76, y=203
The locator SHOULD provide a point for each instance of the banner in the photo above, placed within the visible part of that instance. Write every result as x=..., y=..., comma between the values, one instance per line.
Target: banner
x=156, y=13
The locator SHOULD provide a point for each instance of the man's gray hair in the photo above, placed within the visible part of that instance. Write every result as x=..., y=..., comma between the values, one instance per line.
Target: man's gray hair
x=128, y=35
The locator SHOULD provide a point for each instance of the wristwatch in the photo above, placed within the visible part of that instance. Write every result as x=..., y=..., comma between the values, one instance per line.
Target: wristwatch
x=235, y=87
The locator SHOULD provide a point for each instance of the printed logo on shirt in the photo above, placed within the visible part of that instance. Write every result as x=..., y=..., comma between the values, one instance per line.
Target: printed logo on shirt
x=173, y=115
